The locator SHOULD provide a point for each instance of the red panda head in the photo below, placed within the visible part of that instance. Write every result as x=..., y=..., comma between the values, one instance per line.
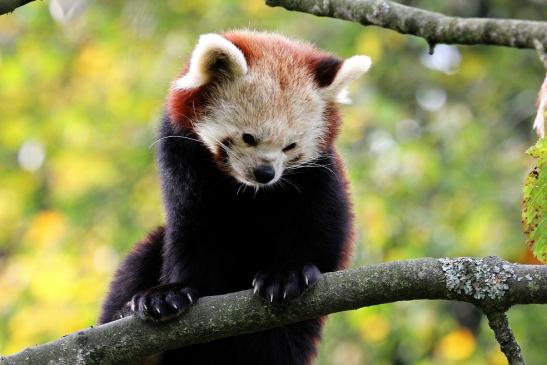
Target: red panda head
x=262, y=103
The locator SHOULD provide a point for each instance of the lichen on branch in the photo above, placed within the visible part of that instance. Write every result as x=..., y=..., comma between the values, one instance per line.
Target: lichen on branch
x=480, y=278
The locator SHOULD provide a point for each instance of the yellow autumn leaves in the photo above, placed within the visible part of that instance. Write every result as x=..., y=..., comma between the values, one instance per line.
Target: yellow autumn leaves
x=53, y=291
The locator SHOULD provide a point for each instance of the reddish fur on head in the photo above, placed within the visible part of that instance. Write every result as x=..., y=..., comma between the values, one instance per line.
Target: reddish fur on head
x=272, y=54
x=184, y=106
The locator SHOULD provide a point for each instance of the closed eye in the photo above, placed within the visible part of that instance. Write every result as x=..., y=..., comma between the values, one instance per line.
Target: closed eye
x=249, y=139
x=289, y=147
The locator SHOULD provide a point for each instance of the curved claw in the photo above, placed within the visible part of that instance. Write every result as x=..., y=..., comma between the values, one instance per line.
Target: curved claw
x=162, y=302
x=275, y=286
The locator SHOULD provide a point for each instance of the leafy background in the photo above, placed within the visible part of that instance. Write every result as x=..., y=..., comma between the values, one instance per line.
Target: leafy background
x=435, y=147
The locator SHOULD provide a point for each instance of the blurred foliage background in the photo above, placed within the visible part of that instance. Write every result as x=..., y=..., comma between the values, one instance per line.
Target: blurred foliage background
x=434, y=146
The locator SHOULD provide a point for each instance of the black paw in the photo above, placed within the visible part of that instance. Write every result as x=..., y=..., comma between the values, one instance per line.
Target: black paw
x=276, y=286
x=162, y=302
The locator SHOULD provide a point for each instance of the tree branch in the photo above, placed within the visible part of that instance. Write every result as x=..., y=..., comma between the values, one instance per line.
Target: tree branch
x=509, y=346
x=433, y=27
x=490, y=283
x=7, y=6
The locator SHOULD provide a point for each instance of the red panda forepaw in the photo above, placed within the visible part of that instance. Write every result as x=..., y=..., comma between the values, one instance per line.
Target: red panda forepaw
x=277, y=286
x=162, y=302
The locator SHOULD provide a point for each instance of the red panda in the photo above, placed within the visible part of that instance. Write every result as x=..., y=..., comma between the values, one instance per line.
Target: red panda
x=254, y=192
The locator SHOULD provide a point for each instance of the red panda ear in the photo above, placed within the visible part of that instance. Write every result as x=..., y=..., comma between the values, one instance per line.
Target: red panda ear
x=213, y=58
x=324, y=69
x=337, y=76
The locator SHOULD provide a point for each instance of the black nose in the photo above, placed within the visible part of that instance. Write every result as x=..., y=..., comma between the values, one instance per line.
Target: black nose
x=264, y=173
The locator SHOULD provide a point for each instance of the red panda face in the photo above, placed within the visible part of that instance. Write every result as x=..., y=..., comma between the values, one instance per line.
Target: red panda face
x=260, y=103
x=265, y=126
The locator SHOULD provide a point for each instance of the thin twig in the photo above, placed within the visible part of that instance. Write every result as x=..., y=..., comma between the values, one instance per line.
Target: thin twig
x=508, y=344
x=432, y=26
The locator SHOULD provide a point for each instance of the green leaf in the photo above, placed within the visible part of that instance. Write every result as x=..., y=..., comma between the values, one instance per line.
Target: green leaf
x=534, y=203
x=539, y=150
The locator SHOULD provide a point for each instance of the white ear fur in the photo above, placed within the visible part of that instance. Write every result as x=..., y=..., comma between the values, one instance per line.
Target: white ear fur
x=209, y=48
x=351, y=69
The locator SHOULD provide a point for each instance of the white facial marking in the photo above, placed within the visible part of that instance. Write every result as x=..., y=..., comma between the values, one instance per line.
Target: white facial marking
x=276, y=117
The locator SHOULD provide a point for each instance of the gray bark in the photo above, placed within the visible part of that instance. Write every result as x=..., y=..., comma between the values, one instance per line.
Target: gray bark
x=433, y=27
x=491, y=283
x=500, y=325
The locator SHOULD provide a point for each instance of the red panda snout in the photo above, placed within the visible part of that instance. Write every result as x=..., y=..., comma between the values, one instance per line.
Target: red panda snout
x=255, y=166
x=263, y=174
